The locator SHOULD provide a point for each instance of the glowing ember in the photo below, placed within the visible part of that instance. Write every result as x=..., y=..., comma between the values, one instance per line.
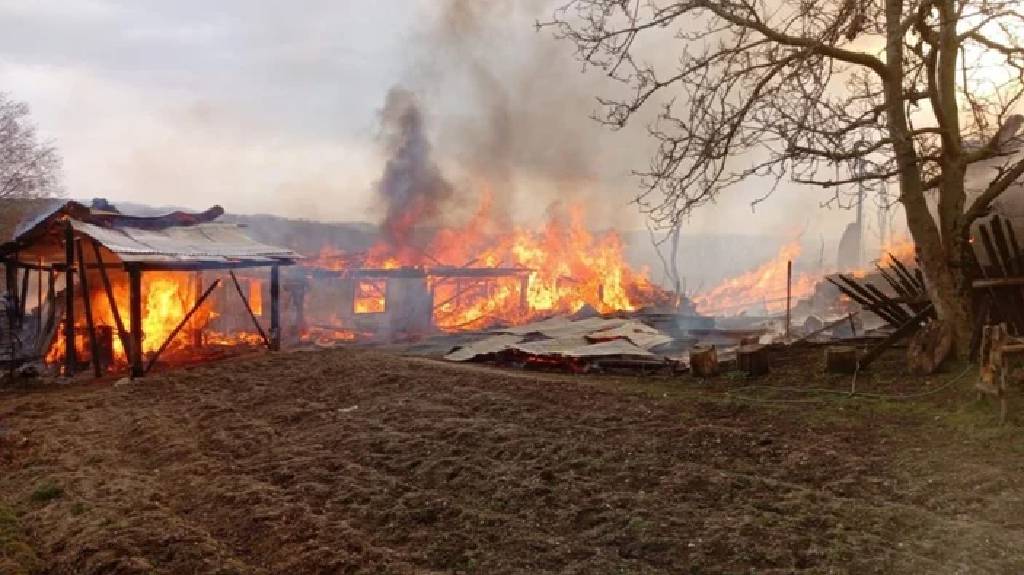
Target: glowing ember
x=763, y=288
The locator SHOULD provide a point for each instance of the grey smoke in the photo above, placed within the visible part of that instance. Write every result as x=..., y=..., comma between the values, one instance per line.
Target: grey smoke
x=412, y=187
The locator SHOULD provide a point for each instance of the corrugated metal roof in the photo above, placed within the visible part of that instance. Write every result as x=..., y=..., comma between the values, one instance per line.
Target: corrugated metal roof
x=209, y=242
x=562, y=337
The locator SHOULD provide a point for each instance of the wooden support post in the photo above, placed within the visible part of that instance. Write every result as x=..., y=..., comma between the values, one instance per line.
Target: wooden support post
x=70, y=355
x=275, y=308
x=83, y=281
x=135, y=319
x=180, y=325
x=789, y=295
x=248, y=308
x=299, y=295
x=122, y=333
x=11, y=278
x=39, y=298
x=23, y=300
x=51, y=296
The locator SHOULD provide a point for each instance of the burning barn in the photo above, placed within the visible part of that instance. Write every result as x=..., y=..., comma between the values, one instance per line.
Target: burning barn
x=92, y=286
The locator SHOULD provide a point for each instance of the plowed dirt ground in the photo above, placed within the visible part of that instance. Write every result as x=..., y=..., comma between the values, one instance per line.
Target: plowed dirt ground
x=355, y=461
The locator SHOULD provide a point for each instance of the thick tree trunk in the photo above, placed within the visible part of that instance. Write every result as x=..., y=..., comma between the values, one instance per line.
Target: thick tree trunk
x=941, y=245
x=949, y=286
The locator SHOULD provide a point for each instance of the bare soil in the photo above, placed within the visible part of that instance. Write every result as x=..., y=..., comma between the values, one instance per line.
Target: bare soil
x=355, y=461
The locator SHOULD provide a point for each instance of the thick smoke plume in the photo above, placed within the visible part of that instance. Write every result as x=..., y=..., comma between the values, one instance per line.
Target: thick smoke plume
x=412, y=188
x=510, y=115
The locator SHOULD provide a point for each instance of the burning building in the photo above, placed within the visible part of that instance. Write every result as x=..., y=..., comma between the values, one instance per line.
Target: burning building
x=118, y=291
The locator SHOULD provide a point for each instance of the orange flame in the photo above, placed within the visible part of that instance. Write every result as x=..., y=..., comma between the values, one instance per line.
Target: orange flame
x=763, y=287
x=166, y=299
x=562, y=265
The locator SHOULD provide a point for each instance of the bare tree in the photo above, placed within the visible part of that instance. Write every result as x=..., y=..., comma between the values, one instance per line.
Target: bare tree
x=829, y=93
x=28, y=168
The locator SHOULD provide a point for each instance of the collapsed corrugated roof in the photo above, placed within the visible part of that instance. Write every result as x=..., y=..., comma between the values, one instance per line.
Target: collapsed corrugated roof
x=563, y=337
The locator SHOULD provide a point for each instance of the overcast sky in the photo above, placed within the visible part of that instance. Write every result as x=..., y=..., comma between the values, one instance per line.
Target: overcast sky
x=271, y=106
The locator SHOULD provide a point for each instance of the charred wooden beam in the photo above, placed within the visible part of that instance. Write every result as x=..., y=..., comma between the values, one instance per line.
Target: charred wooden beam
x=997, y=282
x=135, y=319
x=898, y=312
x=275, y=308
x=182, y=266
x=1002, y=246
x=39, y=298
x=1014, y=246
x=51, y=296
x=70, y=359
x=867, y=300
x=894, y=283
x=915, y=279
x=11, y=279
x=23, y=299
x=83, y=281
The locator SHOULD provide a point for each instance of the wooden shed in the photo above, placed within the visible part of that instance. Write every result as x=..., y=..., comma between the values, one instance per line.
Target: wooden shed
x=85, y=250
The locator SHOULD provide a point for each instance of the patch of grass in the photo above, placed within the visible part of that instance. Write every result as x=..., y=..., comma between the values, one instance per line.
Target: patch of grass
x=78, y=508
x=17, y=557
x=46, y=492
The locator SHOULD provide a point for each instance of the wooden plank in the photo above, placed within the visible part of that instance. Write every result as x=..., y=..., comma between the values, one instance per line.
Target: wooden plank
x=990, y=251
x=904, y=271
x=83, y=281
x=70, y=354
x=23, y=300
x=997, y=282
x=275, y=308
x=210, y=266
x=864, y=302
x=135, y=320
